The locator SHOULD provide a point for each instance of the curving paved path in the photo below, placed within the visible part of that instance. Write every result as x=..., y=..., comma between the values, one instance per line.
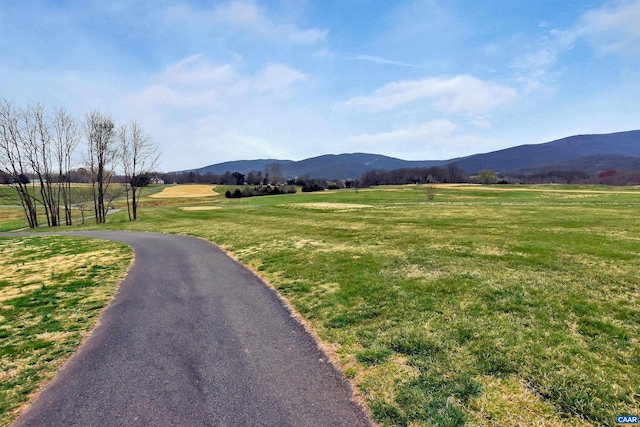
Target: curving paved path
x=193, y=338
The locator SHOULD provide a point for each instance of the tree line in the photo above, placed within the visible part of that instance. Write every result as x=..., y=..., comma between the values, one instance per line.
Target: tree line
x=46, y=145
x=451, y=174
x=272, y=175
x=576, y=176
x=448, y=174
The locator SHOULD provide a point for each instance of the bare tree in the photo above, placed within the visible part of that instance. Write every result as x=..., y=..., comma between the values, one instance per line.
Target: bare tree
x=33, y=144
x=139, y=157
x=431, y=190
x=37, y=143
x=112, y=193
x=101, y=155
x=66, y=137
x=13, y=162
x=82, y=199
x=274, y=170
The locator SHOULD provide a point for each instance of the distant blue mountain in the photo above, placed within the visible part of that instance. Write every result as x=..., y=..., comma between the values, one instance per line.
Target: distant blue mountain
x=340, y=166
x=565, y=151
x=620, y=151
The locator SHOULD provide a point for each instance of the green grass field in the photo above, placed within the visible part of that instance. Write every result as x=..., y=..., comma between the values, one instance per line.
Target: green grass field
x=51, y=292
x=499, y=305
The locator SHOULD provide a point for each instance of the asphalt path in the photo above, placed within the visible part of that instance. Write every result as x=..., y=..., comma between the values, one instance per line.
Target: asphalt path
x=193, y=338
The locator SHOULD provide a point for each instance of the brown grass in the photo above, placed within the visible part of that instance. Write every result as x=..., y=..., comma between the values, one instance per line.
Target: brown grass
x=508, y=401
x=200, y=208
x=38, y=273
x=340, y=207
x=196, y=190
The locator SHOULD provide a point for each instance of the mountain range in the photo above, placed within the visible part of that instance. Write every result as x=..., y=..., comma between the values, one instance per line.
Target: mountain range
x=591, y=153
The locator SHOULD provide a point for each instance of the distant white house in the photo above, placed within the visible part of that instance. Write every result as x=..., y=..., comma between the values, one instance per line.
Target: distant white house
x=157, y=180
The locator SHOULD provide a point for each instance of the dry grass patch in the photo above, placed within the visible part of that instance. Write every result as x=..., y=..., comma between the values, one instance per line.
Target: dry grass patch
x=182, y=191
x=508, y=401
x=338, y=207
x=35, y=274
x=306, y=242
x=200, y=208
x=542, y=189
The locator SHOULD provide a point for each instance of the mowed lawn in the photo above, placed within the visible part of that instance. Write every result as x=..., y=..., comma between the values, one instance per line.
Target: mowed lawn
x=498, y=305
x=52, y=290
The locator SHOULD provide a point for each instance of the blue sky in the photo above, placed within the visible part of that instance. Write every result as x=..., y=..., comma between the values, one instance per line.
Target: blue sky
x=213, y=81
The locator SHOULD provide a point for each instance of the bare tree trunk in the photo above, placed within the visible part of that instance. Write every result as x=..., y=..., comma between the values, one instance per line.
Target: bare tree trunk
x=13, y=162
x=81, y=199
x=139, y=157
x=67, y=139
x=101, y=153
x=38, y=144
x=135, y=203
x=127, y=190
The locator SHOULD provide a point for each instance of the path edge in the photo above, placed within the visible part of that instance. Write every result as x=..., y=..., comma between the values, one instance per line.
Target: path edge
x=326, y=348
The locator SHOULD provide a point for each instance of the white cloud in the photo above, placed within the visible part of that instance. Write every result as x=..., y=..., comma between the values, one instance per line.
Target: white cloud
x=431, y=140
x=195, y=71
x=243, y=13
x=310, y=36
x=460, y=94
x=248, y=16
x=547, y=51
x=277, y=78
x=194, y=82
x=201, y=110
x=614, y=28
x=421, y=132
x=244, y=16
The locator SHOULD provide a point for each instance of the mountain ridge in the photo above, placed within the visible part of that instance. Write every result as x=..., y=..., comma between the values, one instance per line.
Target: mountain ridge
x=620, y=148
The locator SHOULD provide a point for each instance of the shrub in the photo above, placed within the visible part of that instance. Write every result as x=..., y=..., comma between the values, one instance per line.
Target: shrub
x=312, y=187
x=259, y=190
x=235, y=195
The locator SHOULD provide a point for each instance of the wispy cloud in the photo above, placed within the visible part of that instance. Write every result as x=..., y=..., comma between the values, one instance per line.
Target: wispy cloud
x=614, y=28
x=194, y=82
x=547, y=50
x=453, y=95
x=383, y=61
x=216, y=108
x=433, y=129
x=194, y=71
x=246, y=17
x=433, y=139
x=610, y=30
x=274, y=78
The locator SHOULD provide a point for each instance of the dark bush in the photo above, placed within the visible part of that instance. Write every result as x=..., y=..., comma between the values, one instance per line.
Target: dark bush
x=235, y=195
x=260, y=190
x=312, y=187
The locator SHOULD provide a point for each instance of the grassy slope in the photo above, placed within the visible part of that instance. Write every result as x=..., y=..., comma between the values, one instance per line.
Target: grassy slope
x=51, y=292
x=12, y=213
x=490, y=305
